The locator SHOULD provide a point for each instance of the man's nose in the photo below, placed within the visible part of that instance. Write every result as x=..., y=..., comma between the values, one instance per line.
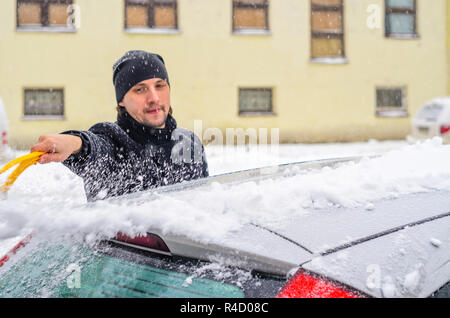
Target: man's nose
x=152, y=96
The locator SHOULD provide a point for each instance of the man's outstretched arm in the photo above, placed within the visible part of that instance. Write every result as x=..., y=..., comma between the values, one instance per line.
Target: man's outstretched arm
x=58, y=147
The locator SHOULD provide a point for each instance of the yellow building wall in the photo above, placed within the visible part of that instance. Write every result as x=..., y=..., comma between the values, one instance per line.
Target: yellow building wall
x=207, y=64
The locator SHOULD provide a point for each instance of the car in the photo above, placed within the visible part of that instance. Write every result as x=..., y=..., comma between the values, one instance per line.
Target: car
x=399, y=247
x=4, y=128
x=433, y=119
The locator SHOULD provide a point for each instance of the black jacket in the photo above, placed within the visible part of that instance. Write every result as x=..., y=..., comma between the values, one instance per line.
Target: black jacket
x=126, y=156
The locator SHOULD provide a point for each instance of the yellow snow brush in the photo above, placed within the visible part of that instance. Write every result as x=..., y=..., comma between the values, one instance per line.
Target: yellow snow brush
x=24, y=162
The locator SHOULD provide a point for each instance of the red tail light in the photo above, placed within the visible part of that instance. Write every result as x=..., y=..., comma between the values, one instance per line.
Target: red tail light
x=4, y=138
x=445, y=129
x=306, y=285
x=150, y=241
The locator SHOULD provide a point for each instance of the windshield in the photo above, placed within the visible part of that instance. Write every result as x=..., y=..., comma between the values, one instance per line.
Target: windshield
x=430, y=112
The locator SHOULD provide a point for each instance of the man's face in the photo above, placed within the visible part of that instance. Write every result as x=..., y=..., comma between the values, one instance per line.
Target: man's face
x=148, y=102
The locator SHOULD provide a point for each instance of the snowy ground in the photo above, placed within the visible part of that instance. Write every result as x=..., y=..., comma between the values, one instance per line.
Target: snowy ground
x=50, y=199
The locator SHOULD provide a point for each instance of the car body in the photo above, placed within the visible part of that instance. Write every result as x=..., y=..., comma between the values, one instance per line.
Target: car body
x=433, y=119
x=398, y=248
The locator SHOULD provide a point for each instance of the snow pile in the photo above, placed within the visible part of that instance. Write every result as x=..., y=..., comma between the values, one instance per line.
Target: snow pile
x=50, y=201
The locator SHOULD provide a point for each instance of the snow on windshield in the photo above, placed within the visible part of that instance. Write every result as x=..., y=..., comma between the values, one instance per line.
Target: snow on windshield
x=50, y=200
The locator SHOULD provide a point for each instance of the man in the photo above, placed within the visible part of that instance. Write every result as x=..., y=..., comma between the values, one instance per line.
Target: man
x=143, y=149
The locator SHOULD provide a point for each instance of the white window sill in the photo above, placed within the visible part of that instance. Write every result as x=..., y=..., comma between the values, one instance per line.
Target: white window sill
x=49, y=29
x=252, y=32
x=329, y=60
x=43, y=117
x=392, y=113
x=151, y=31
x=257, y=114
x=402, y=36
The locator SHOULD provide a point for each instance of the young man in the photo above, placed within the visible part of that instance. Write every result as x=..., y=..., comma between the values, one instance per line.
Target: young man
x=143, y=149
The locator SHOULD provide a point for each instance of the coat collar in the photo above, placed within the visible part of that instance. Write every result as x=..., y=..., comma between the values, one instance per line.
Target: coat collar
x=143, y=134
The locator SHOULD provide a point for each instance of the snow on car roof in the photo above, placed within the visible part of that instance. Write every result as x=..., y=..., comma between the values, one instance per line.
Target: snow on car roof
x=49, y=200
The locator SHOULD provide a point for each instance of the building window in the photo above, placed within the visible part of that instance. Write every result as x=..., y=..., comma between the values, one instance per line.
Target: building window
x=44, y=103
x=45, y=14
x=391, y=102
x=327, y=29
x=254, y=101
x=400, y=19
x=153, y=14
x=250, y=15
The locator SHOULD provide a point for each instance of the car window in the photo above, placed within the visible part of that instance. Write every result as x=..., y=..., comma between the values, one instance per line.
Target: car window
x=430, y=112
x=116, y=271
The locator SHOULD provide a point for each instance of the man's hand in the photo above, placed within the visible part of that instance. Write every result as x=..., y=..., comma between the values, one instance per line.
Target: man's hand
x=57, y=147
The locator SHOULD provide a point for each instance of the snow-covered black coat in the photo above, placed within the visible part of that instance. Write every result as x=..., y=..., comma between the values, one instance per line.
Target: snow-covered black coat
x=126, y=156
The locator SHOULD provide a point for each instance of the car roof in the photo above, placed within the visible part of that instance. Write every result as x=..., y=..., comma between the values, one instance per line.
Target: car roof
x=278, y=249
x=326, y=234
x=444, y=100
x=327, y=230
x=413, y=262
x=441, y=101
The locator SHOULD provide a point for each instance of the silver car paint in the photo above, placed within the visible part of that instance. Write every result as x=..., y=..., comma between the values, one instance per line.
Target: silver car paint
x=402, y=264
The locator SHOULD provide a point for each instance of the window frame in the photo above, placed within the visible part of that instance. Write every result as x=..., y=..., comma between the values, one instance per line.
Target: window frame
x=255, y=6
x=256, y=113
x=44, y=117
x=44, y=17
x=330, y=35
x=392, y=111
x=392, y=10
x=151, y=28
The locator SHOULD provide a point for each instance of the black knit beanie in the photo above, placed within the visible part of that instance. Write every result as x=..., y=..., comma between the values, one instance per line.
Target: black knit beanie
x=135, y=67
